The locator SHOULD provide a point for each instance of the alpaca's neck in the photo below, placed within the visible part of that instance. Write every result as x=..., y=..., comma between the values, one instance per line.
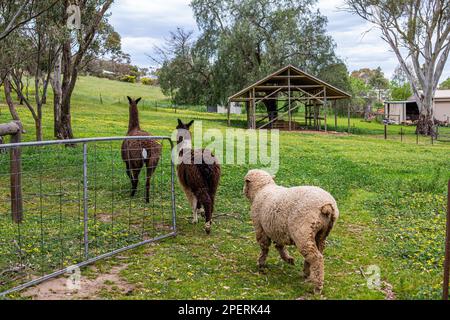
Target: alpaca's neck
x=134, y=119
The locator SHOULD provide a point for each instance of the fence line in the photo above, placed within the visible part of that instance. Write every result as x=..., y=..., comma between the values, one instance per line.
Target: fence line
x=77, y=207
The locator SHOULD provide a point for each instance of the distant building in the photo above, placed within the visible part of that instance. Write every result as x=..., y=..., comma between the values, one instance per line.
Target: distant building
x=235, y=108
x=403, y=111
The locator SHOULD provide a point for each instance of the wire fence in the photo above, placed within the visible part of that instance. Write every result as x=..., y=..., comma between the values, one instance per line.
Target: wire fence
x=76, y=206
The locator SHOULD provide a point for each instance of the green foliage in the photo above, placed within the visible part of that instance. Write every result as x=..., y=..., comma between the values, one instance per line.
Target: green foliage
x=360, y=92
x=337, y=75
x=445, y=85
x=248, y=40
x=147, y=81
x=128, y=78
x=400, y=92
x=377, y=80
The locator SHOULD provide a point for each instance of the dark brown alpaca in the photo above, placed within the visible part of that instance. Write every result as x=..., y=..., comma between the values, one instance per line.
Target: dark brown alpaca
x=199, y=179
x=137, y=153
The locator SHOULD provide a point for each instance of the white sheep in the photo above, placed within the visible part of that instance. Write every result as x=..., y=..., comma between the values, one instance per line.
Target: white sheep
x=301, y=216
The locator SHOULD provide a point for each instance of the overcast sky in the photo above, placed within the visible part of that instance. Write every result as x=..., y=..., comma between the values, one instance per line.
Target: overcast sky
x=144, y=23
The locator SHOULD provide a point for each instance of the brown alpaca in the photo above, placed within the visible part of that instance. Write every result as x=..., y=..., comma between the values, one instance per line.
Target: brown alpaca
x=137, y=153
x=199, y=179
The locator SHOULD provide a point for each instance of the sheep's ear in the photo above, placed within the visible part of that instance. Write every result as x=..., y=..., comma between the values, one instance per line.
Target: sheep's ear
x=137, y=101
x=180, y=123
x=190, y=124
x=129, y=99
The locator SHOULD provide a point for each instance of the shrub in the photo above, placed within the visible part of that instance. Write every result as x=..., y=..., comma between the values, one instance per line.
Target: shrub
x=128, y=78
x=147, y=81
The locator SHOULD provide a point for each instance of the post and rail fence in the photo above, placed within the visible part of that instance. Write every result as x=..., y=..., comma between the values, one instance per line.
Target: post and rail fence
x=71, y=206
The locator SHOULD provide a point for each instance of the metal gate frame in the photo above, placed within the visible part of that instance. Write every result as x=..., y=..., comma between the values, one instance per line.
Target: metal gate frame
x=87, y=261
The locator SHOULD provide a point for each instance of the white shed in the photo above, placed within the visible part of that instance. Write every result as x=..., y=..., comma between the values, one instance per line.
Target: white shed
x=402, y=111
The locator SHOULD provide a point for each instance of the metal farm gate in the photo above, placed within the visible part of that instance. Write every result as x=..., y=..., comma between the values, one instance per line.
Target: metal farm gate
x=67, y=204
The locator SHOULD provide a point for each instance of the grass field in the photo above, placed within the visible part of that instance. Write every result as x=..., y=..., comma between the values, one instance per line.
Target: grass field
x=392, y=198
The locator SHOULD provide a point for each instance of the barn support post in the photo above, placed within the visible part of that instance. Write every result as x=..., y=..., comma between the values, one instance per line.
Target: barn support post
x=229, y=114
x=335, y=116
x=289, y=99
x=325, y=104
x=348, y=118
x=447, y=249
x=14, y=129
x=253, y=117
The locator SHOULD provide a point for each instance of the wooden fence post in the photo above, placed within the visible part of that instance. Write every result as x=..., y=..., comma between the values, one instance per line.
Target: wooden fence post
x=447, y=249
x=14, y=129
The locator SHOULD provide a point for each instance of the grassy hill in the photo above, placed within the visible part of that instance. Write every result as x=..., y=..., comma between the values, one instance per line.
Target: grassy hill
x=392, y=198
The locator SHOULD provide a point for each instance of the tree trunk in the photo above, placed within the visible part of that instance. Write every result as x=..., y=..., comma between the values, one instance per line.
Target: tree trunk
x=425, y=125
x=9, y=100
x=57, y=95
x=38, y=124
x=367, y=111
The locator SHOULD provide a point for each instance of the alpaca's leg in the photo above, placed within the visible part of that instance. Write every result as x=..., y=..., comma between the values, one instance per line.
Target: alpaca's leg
x=200, y=210
x=194, y=205
x=264, y=243
x=284, y=254
x=150, y=171
x=127, y=164
x=135, y=181
x=206, y=201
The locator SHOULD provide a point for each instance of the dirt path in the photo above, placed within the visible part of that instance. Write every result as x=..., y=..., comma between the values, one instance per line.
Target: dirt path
x=57, y=289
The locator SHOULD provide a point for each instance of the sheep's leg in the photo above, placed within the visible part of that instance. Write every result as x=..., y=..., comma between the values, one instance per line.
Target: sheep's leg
x=306, y=270
x=306, y=243
x=284, y=254
x=264, y=242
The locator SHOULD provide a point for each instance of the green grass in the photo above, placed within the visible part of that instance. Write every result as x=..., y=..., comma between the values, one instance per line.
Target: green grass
x=391, y=195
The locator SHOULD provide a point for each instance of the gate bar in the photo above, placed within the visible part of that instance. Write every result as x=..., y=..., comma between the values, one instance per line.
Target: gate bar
x=85, y=263
x=17, y=146
x=85, y=202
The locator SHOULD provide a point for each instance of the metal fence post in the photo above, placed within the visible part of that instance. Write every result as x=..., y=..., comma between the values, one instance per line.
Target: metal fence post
x=85, y=202
x=385, y=132
x=447, y=249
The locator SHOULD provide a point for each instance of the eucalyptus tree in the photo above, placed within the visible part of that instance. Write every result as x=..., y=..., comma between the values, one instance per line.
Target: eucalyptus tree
x=240, y=41
x=16, y=13
x=418, y=31
x=74, y=48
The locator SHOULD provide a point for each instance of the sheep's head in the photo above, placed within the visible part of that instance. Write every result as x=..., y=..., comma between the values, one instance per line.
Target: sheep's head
x=254, y=181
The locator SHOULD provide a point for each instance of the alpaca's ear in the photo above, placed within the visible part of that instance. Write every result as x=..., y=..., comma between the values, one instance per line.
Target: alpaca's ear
x=190, y=124
x=129, y=99
x=180, y=123
x=137, y=101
